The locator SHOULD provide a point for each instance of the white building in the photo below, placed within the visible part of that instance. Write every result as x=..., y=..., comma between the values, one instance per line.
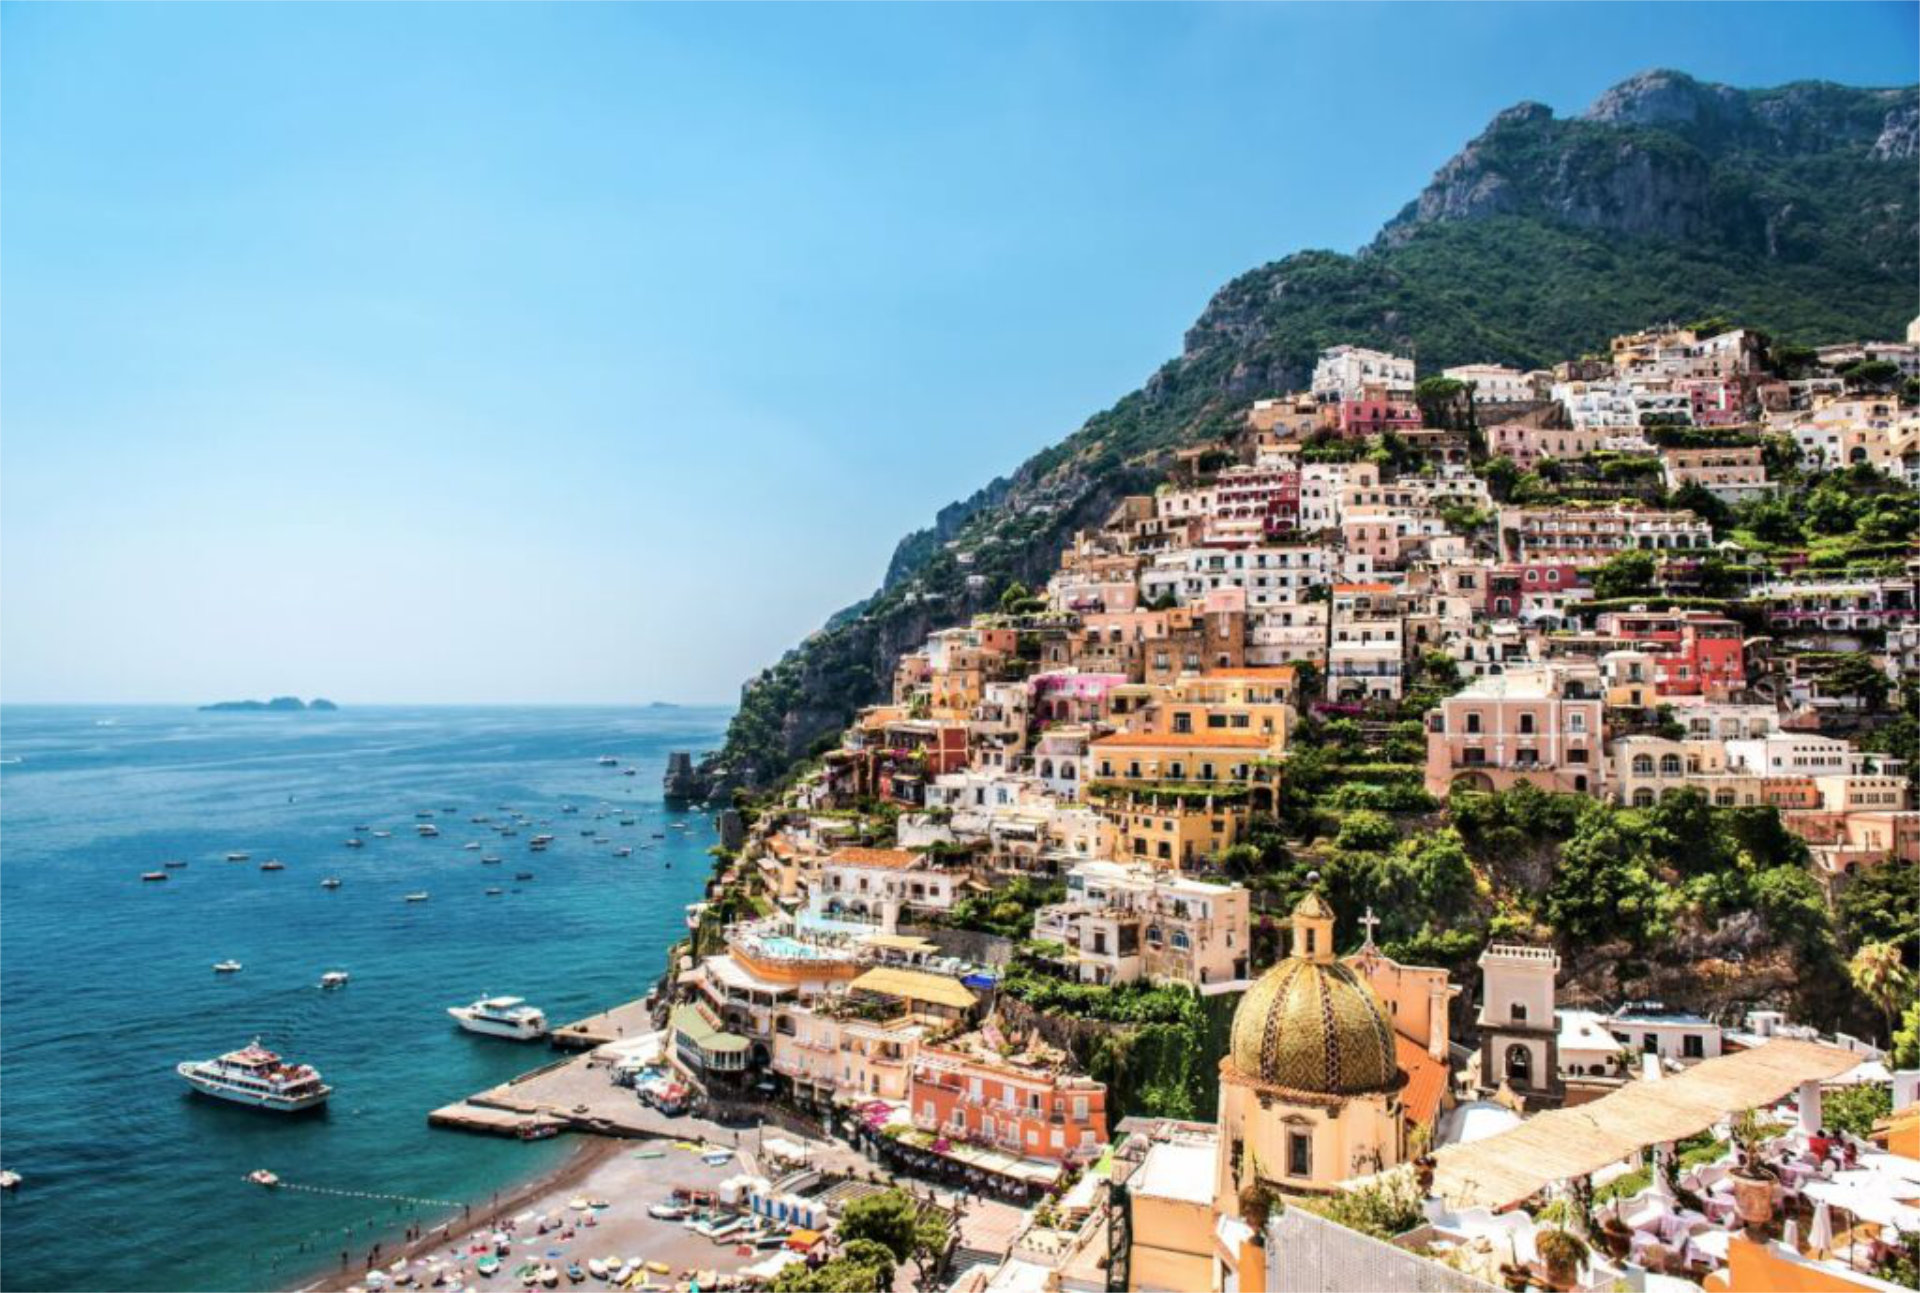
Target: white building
x=1494, y=383
x=1344, y=372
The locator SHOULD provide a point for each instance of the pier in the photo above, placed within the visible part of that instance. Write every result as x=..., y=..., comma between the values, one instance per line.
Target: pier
x=629, y=1020
x=463, y=1115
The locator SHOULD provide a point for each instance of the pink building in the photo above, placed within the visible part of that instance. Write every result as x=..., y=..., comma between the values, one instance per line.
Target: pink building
x=1072, y=697
x=1716, y=401
x=1541, y=725
x=1375, y=412
x=1514, y=589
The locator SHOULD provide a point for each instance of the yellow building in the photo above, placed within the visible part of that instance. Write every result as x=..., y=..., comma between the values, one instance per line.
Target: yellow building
x=1309, y=1091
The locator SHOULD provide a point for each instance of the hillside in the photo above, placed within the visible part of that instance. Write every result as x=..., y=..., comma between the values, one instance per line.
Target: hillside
x=1791, y=209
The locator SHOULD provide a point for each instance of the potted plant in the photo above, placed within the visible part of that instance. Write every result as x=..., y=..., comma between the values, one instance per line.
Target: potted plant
x=1753, y=1181
x=1562, y=1252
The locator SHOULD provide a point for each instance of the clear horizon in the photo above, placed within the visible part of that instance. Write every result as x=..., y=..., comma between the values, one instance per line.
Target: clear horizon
x=424, y=355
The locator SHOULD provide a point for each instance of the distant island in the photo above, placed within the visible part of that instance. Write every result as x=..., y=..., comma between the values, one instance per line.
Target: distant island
x=278, y=705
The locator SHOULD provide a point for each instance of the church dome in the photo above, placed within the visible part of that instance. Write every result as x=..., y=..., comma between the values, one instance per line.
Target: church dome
x=1310, y=1024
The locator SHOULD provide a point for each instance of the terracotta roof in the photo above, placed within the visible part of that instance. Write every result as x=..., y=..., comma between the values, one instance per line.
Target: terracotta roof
x=1183, y=741
x=892, y=858
x=1426, y=1080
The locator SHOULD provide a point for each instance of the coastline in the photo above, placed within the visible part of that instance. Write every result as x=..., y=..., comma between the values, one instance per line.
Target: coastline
x=587, y=1155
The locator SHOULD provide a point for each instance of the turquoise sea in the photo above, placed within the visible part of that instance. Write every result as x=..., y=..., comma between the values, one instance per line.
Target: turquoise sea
x=106, y=982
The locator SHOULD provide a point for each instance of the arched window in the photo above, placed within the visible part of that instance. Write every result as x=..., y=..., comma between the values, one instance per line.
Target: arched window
x=1669, y=765
x=1520, y=1065
x=1723, y=798
x=1643, y=797
x=1643, y=765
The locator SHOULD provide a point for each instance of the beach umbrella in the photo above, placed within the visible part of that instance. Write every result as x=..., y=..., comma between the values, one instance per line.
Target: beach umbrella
x=1790, y=1234
x=1820, y=1234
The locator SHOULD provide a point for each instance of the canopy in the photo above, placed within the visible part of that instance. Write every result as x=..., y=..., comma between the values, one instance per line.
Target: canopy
x=1567, y=1144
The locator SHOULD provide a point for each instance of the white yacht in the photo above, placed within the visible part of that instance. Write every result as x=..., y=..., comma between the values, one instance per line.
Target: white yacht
x=607, y=761
x=256, y=1076
x=502, y=1017
x=226, y=967
x=334, y=979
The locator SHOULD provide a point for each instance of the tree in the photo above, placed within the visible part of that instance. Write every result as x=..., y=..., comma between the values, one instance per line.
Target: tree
x=863, y=1266
x=1906, y=1040
x=1603, y=888
x=1879, y=975
x=1881, y=905
x=1871, y=374
x=888, y=1219
x=1856, y=674
x=1445, y=402
x=1625, y=574
x=1501, y=475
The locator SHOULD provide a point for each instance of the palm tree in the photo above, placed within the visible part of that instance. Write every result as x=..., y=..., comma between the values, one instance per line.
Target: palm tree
x=1881, y=977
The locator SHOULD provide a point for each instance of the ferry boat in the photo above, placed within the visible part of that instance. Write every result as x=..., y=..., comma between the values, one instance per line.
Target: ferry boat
x=256, y=1076
x=508, y=1017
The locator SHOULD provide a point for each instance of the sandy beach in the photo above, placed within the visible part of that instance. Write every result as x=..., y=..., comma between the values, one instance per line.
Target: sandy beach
x=628, y=1175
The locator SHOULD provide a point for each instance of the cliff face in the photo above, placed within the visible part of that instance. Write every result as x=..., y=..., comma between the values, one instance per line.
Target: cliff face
x=1791, y=209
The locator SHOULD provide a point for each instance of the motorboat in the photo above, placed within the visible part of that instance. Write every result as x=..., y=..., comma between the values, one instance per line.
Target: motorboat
x=488, y=1266
x=9, y=1180
x=623, y=851
x=489, y=860
x=383, y=835
x=239, y=857
x=509, y=1017
x=607, y=761
x=334, y=979
x=273, y=864
x=331, y=882
x=421, y=896
x=151, y=876
x=257, y=1077
x=472, y=846
x=354, y=842
x=669, y=1212
x=629, y=772
x=263, y=1177
x=523, y=875
x=226, y=967
x=174, y=865
x=427, y=830
x=495, y=892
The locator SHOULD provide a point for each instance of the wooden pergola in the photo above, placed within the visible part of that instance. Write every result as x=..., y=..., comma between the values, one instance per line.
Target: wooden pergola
x=1567, y=1144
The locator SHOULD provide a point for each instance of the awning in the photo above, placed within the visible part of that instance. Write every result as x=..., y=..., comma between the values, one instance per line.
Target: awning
x=1567, y=1144
x=917, y=985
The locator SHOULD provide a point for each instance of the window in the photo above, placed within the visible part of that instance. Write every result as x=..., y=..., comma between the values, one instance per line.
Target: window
x=1520, y=1065
x=1519, y=1012
x=1299, y=1154
x=1693, y=1046
x=1526, y=725
x=1473, y=723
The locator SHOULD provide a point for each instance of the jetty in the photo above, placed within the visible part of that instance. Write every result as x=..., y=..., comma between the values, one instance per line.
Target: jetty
x=632, y=1019
x=570, y=1095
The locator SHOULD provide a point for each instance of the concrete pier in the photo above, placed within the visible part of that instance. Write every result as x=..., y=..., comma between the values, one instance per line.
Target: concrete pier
x=630, y=1020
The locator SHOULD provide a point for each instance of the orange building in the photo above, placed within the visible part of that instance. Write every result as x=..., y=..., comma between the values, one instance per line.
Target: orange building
x=965, y=1091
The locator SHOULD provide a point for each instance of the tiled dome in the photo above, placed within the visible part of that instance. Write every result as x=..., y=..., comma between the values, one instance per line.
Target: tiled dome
x=1310, y=1024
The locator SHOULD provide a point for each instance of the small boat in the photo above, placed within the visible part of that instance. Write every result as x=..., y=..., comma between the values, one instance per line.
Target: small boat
x=273, y=864
x=549, y=1277
x=174, y=865
x=607, y=761
x=360, y=830
x=355, y=843
x=425, y=814
x=627, y=821
x=494, y=893
x=629, y=772
x=472, y=846
x=541, y=839
x=239, y=857
x=623, y=852
x=9, y=1180
x=383, y=835
x=427, y=830
x=151, y=876
x=226, y=967
x=669, y=1212
x=597, y=1268
x=523, y=875
x=263, y=1177
x=489, y=860
x=422, y=896
x=334, y=979
x=569, y=808
x=488, y=1266
x=331, y=882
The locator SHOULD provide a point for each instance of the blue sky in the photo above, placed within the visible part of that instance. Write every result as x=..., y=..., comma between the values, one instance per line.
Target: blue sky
x=500, y=353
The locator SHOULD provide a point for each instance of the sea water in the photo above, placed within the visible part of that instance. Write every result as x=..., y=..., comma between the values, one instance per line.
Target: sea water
x=106, y=982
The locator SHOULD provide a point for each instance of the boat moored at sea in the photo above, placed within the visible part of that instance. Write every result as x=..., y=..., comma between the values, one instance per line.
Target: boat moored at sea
x=174, y=865
x=509, y=1017
x=226, y=967
x=256, y=1077
x=334, y=979
x=420, y=896
x=427, y=830
x=331, y=882
x=355, y=843
x=151, y=876
x=273, y=864
x=607, y=761
x=239, y=857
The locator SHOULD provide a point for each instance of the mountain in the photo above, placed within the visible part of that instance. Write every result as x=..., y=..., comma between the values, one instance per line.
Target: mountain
x=1793, y=210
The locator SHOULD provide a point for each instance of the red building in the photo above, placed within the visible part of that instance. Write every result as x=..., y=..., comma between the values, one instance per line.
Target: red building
x=962, y=1090
x=1696, y=652
x=1372, y=414
x=1512, y=589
